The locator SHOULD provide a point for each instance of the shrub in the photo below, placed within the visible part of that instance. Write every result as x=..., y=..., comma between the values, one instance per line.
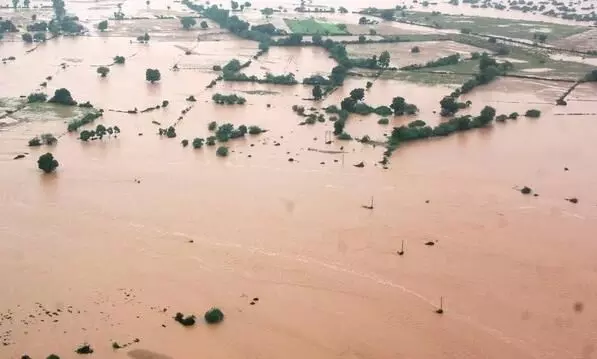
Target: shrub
x=255, y=130
x=214, y=315
x=165, y=103
x=187, y=22
x=48, y=139
x=152, y=75
x=185, y=321
x=211, y=141
x=222, y=151
x=184, y=143
x=191, y=98
x=212, y=126
x=383, y=121
x=37, y=97
x=197, y=143
x=513, y=116
x=533, y=113
x=47, y=163
x=34, y=142
x=27, y=37
x=103, y=25
x=119, y=59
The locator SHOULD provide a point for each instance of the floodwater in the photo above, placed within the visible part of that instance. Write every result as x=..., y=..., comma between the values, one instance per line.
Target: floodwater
x=131, y=230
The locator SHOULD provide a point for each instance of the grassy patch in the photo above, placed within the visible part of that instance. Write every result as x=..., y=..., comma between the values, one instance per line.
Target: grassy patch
x=425, y=77
x=493, y=26
x=312, y=27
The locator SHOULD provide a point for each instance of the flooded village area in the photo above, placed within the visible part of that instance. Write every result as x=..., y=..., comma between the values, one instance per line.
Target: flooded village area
x=297, y=179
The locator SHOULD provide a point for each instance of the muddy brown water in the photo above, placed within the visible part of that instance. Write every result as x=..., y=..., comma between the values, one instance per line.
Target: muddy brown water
x=108, y=254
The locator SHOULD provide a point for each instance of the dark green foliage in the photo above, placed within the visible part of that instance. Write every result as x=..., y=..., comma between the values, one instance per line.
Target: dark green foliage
x=203, y=25
x=103, y=71
x=342, y=10
x=86, y=119
x=152, y=75
x=449, y=106
x=184, y=143
x=53, y=356
x=362, y=38
x=85, y=135
x=48, y=139
x=401, y=107
x=39, y=37
x=213, y=316
x=211, y=141
x=338, y=75
x=344, y=136
x=47, y=163
x=222, y=151
x=383, y=111
x=37, y=97
x=228, y=99
x=171, y=132
x=513, y=116
x=533, y=113
x=27, y=37
x=119, y=59
x=384, y=59
x=62, y=96
x=165, y=103
x=187, y=22
x=103, y=25
x=38, y=26
x=415, y=50
x=255, y=130
x=369, y=85
x=197, y=142
x=212, y=126
x=143, y=38
x=217, y=68
x=443, y=61
x=84, y=349
x=317, y=93
x=34, y=142
x=383, y=121
x=357, y=94
x=7, y=26
x=339, y=126
x=185, y=321
x=417, y=123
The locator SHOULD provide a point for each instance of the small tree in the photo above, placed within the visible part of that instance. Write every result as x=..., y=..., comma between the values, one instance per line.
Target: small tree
x=203, y=25
x=384, y=59
x=369, y=85
x=47, y=163
x=39, y=37
x=62, y=96
x=152, y=75
x=197, y=143
x=214, y=315
x=222, y=151
x=144, y=38
x=357, y=94
x=317, y=93
x=103, y=25
x=119, y=60
x=27, y=37
x=415, y=50
x=362, y=38
x=342, y=10
x=268, y=11
x=187, y=22
x=103, y=71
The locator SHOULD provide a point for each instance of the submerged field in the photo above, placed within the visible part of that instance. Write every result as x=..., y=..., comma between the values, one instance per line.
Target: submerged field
x=295, y=234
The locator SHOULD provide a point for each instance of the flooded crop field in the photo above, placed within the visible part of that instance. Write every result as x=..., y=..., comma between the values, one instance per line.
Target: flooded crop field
x=297, y=180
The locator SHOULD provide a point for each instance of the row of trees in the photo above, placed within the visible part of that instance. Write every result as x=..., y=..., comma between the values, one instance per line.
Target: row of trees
x=99, y=132
x=228, y=99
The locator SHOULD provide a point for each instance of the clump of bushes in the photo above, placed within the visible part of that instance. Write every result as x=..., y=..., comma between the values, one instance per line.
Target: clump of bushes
x=222, y=151
x=197, y=143
x=86, y=119
x=184, y=143
x=37, y=97
x=84, y=349
x=185, y=321
x=401, y=107
x=383, y=121
x=169, y=132
x=62, y=96
x=228, y=99
x=47, y=163
x=533, y=113
x=443, y=61
x=255, y=130
x=211, y=141
x=119, y=59
x=99, y=133
x=214, y=315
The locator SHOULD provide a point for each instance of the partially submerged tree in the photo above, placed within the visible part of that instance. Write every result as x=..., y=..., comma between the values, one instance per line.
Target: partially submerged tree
x=119, y=59
x=384, y=59
x=187, y=22
x=47, y=163
x=203, y=25
x=152, y=75
x=103, y=71
x=103, y=25
x=62, y=96
x=317, y=93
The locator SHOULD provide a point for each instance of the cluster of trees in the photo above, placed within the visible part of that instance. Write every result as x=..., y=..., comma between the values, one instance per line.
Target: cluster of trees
x=401, y=107
x=47, y=163
x=7, y=26
x=317, y=80
x=99, y=133
x=37, y=97
x=442, y=61
x=187, y=22
x=169, y=132
x=36, y=37
x=152, y=75
x=41, y=26
x=143, y=38
x=86, y=119
x=62, y=96
x=45, y=139
x=228, y=99
x=450, y=105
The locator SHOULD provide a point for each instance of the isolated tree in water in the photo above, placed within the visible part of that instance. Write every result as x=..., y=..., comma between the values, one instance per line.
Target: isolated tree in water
x=204, y=24
x=103, y=71
x=47, y=163
x=152, y=75
x=234, y=5
x=317, y=93
x=187, y=22
x=384, y=59
x=103, y=25
x=357, y=94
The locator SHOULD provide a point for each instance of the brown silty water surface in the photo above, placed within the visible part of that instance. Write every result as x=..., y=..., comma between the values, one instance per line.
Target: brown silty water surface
x=131, y=230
